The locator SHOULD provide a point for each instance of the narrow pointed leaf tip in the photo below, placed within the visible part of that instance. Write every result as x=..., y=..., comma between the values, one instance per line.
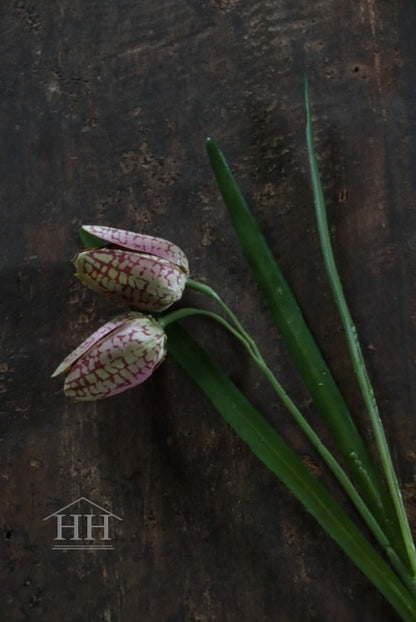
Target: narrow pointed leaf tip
x=141, y=270
x=118, y=356
x=89, y=240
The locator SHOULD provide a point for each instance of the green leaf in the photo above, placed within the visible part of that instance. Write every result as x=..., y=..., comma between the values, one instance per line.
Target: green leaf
x=299, y=340
x=272, y=450
x=398, y=512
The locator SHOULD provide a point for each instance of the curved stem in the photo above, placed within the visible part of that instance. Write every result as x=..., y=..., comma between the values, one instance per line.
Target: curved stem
x=208, y=291
x=184, y=312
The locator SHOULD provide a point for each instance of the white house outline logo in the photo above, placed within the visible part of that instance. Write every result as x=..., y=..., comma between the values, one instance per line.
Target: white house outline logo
x=83, y=528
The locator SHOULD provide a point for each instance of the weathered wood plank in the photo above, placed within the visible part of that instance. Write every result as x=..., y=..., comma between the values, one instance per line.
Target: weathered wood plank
x=104, y=112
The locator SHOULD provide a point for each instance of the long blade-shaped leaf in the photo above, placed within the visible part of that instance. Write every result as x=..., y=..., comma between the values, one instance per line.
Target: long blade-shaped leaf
x=272, y=450
x=354, y=346
x=301, y=344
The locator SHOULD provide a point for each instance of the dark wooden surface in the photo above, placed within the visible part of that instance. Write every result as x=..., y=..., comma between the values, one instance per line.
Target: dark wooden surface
x=104, y=110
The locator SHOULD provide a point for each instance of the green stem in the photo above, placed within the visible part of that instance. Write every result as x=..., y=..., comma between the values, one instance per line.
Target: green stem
x=269, y=447
x=314, y=439
x=208, y=291
x=354, y=347
x=184, y=312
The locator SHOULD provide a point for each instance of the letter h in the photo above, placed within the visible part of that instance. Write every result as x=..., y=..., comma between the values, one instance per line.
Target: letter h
x=74, y=526
x=90, y=526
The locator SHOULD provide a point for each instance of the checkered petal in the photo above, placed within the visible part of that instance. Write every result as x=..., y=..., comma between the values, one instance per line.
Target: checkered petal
x=143, y=271
x=120, y=355
x=141, y=243
x=143, y=281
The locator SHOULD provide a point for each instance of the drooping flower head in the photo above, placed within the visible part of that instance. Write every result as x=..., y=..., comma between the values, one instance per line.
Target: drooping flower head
x=118, y=356
x=144, y=271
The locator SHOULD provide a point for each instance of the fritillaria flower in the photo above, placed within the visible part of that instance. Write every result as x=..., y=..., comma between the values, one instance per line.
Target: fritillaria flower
x=144, y=271
x=118, y=356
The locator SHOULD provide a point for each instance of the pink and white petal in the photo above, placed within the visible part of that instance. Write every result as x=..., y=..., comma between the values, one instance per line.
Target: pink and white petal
x=136, y=373
x=88, y=343
x=157, y=284
x=144, y=281
x=123, y=360
x=141, y=243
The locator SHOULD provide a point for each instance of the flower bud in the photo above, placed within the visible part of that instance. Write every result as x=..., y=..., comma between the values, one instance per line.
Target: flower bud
x=144, y=271
x=118, y=356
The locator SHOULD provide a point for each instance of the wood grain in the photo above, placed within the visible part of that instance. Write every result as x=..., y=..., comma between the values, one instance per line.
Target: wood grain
x=105, y=107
